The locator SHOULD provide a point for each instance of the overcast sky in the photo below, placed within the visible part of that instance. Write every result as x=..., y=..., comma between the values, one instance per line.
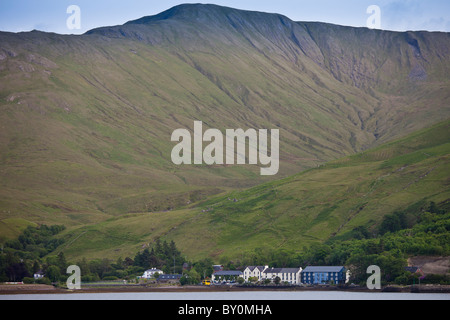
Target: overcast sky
x=51, y=16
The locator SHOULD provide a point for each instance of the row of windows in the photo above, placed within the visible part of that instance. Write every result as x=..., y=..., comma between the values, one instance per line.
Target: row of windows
x=306, y=276
x=323, y=274
x=283, y=275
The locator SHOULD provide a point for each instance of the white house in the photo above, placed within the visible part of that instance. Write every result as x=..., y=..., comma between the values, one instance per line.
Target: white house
x=151, y=272
x=39, y=275
x=289, y=275
x=254, y=272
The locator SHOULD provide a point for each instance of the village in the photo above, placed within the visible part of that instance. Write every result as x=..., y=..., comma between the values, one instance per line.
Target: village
x=262, y=275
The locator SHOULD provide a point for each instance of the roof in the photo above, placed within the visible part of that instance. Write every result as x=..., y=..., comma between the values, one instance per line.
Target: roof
x=217, y=267
x=228, y=273
x=412, y=269
x=281, y=270
x=153, y=270
x=260, y=268
x=323, y=269
x=169, y=276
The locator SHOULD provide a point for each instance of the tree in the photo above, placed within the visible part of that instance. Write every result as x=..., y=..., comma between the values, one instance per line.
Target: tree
x=128, y=262
x=36, y=267
x=253, y=279
x=162, y=256
x=153, y=259
x=62, y=263
x=360, y=232
x=17, y=271
x=84, y=267
x=393, y=222
x=184, y=280
x=319, y=254
x=190, y=277
x=53, y=273
x=204, y=267
x=99, y=267
x=145, y=258
x=433, y=208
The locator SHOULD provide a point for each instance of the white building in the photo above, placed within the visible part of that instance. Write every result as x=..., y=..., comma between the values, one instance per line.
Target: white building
x=151, y=272
x=254, y=272
x=39, y=275
x=289, y=275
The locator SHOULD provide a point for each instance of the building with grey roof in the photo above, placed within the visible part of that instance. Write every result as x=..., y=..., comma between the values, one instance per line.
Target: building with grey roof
x=286, y=275
x=226, y=275
x=169, y=278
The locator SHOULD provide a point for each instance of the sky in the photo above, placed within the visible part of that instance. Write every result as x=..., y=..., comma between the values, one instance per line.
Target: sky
x=52, y=16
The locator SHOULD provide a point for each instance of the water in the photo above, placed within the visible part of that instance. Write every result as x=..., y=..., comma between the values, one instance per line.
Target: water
x=242, y=295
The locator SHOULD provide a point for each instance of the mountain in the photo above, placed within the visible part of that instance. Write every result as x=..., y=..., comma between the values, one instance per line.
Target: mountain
x=86, y=120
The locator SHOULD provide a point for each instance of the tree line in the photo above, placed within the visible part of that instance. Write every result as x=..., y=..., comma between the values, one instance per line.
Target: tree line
x=32, y=251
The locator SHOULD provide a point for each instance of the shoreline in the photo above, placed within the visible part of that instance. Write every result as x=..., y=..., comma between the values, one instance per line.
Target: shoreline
x=9, y=289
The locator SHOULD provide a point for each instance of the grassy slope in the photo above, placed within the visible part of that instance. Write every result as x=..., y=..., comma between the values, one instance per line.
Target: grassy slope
x=86, y=120
x=11, y=227
x=291, y=213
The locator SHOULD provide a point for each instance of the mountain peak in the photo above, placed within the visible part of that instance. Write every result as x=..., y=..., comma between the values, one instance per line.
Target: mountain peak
x=194, y=25
x=215, y=16
x=182, y=10
x=190, y=11
x=188, y=23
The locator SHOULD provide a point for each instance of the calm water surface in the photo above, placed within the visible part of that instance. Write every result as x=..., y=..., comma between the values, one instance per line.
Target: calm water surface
x=245, y=295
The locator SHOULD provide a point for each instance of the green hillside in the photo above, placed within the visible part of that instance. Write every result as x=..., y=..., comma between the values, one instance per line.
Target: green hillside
x=86, y=120
x=86, y=123
x=293, y=213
